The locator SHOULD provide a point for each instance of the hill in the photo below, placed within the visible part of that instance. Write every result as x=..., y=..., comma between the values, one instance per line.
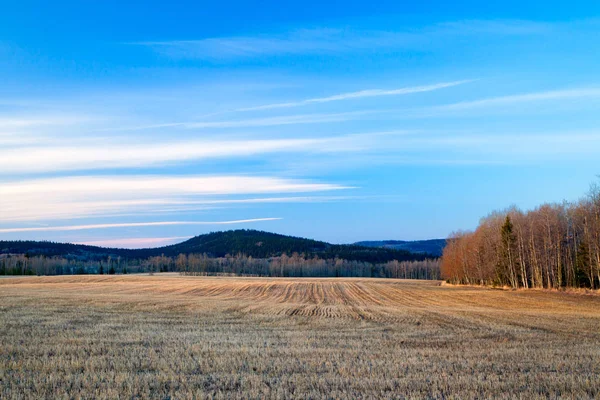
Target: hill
x=433, y=246
x=257, y=244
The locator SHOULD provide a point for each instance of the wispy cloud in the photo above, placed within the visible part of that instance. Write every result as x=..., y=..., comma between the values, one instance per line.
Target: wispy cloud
x=135, y=243
x=24, y=155
x=101, y=185
x=28, y=158
x=50, y=120
x=469, y=147
x=336, y=41
x=97, y=196
x=410, y=113
x=91, y=208
x=515, y=147
x=496, y=27
x=306, y=41
x=358, y=95
x=561, y=94
x=255, y=122
x=131, y=225
x=32, y=159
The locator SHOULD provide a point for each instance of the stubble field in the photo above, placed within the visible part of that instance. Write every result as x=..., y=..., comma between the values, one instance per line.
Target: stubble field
x=169, y=336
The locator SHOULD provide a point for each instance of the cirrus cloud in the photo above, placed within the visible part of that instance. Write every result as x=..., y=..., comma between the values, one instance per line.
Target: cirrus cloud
x=101, y=196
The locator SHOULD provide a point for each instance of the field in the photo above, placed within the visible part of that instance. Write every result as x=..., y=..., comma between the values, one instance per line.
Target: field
x=168, y=336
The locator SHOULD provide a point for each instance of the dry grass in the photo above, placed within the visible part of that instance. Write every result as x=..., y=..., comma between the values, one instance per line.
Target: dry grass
x=169, y=336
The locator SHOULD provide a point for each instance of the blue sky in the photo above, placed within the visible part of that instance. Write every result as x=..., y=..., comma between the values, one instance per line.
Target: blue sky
x=144, y=124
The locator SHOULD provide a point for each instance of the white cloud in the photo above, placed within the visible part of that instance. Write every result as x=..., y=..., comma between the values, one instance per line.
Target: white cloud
x=514, y=147
x=131, y=225
x=497, y=27
x=135, y=243
x=358, y=95
x=118, y=155
x=26, y=159
x=113, y=155
x=47, y=120
x=68, y=209
x=255, y=122
x=297, y=42
x=561, y=94
x=97, y=196
x=100, y=186
x=337, y=41
x=423, y=112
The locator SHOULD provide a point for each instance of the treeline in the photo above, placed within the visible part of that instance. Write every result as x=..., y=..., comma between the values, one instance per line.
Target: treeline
x=552, y=246
x=296, y=265
x=23, y=264
x=300, y=266
x=78, y=251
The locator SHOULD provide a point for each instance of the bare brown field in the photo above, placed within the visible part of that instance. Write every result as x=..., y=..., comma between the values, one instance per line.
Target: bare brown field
x=169, y=336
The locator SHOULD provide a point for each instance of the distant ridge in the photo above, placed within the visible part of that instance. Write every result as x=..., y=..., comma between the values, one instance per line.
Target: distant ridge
x=432, y=246
x=257, y=244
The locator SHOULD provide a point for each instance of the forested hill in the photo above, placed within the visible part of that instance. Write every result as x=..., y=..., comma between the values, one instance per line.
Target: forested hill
x=432, y=246
x=252, y=243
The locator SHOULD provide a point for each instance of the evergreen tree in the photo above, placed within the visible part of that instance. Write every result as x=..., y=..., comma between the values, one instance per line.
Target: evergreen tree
x=507, y=269
x=111, y=271
x=101, y=272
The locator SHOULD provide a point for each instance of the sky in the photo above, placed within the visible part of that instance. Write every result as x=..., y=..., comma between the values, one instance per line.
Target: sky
x=143, y=124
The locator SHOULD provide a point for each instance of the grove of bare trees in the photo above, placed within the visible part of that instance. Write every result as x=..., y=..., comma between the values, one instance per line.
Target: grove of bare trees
x=552, y=246
x=296, y=265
